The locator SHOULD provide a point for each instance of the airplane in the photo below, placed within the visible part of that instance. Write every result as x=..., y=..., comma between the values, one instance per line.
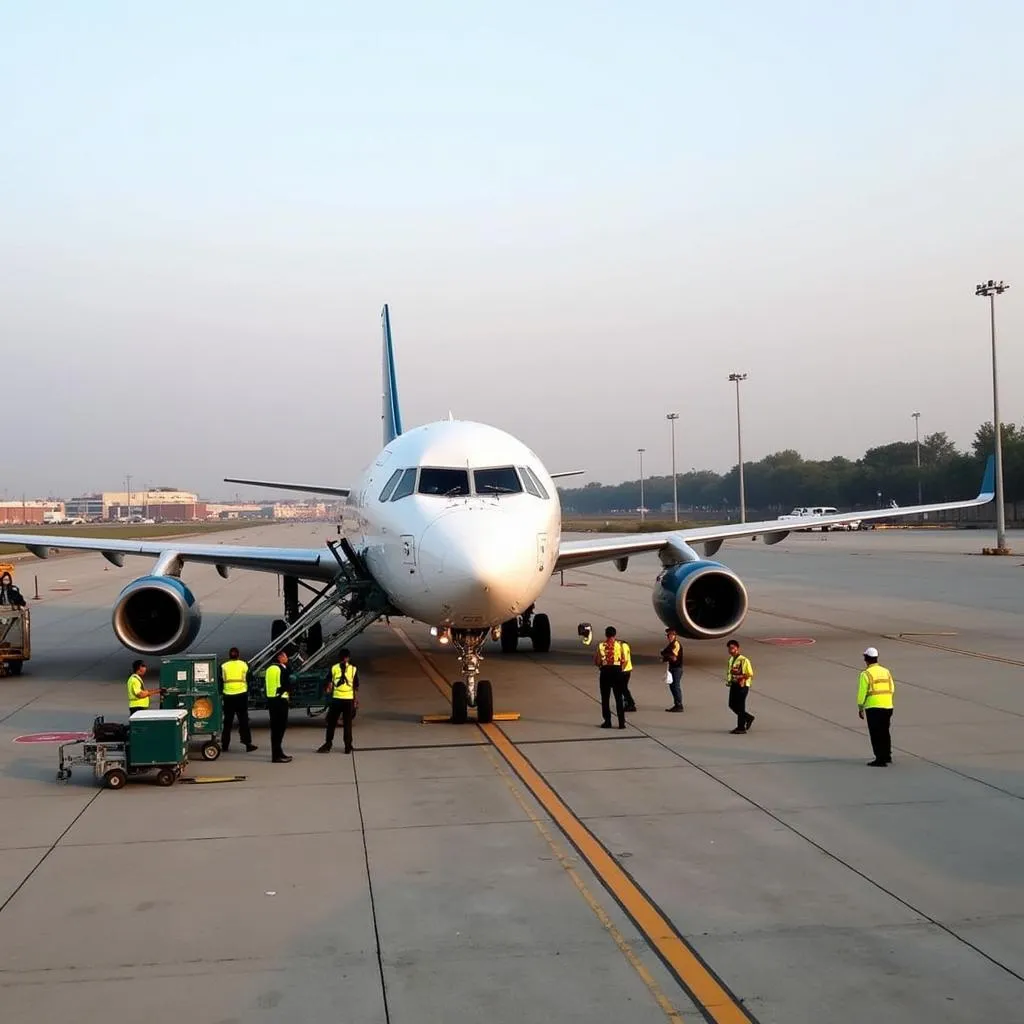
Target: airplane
x=458, y=525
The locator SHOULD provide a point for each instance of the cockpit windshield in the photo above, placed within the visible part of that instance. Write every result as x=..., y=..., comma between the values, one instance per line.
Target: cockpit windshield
x=448, y=483
x=500, y=480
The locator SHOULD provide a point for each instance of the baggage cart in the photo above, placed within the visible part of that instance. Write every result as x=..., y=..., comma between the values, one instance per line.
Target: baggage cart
x=192, y=682
x=151, y=741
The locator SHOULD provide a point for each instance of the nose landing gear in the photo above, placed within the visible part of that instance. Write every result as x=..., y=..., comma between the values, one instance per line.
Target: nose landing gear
x=470, y=692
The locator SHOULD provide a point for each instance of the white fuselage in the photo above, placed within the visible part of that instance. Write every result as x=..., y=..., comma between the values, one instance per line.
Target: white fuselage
x=468, y=538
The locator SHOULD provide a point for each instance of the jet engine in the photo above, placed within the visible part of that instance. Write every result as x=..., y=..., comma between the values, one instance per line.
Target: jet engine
x=700, y=600
x=156, y=615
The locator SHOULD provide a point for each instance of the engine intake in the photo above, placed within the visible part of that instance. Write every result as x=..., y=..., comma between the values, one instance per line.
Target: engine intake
x=156, y=615
x=700, y=600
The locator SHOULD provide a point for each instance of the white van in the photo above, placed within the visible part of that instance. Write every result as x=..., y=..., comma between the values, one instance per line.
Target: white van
x=820, y=510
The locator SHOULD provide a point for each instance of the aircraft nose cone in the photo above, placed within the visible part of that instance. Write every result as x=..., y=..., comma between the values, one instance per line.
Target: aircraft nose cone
x=482, y=563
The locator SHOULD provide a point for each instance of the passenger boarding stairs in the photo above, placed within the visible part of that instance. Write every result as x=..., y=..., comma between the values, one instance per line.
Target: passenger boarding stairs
x=352, y=593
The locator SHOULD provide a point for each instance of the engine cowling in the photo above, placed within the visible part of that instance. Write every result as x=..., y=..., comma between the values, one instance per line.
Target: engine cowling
x=700, y=600
x=156, y=615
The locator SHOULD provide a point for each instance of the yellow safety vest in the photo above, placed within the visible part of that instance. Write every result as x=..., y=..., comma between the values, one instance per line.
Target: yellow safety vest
x=273, y=681
x=343, y=688
x=742, y=662
x=628, y=655
x=610, y=653
x=875, y=688
x=135, y=688
x=232, y=674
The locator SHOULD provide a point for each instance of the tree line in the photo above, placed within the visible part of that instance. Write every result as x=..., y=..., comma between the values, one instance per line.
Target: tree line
x=785, y=480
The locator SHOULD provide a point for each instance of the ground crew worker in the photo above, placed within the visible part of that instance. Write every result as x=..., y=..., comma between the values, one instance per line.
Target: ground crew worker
x=138, y=695
x=739, y=674
x=278, y=679
x=9, y=592
x=610, y=659
x=874, y=701
x=672, y=654
x=342, y=686
x=627, y=670
x=234, y=689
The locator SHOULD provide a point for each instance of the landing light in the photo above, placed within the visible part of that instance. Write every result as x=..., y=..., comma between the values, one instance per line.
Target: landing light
x=444, y=635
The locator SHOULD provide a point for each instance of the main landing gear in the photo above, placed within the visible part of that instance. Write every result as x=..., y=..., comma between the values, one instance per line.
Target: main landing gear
x=470, y=692
x=536, y=627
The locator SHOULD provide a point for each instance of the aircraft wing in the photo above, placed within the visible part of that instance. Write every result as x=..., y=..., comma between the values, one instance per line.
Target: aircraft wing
x=674, y=544
x=314, y=563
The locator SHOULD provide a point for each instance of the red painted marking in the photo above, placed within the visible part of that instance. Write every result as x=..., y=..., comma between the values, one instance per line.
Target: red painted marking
x=51, y=737
x=787, y=641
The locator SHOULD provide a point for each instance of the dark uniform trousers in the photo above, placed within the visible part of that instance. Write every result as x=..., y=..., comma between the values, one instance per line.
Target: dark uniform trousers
x=611, y=681
x=278, y=709
x=738, y=704
x=878, y=729
x=345, y=710
x=627, y=697
x=236, y=704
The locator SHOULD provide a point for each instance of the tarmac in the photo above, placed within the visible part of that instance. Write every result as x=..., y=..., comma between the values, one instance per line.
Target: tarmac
x=545, y=869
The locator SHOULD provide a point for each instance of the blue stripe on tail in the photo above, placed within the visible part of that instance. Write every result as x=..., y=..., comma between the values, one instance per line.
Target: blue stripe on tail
x=392, y=415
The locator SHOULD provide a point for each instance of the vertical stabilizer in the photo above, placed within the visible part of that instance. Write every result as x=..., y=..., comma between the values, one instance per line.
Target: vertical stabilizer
x=392, y=415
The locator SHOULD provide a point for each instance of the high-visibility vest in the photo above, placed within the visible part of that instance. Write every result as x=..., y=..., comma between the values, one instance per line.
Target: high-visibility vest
x=232, y=674
x=343, y=680
x=273, y=681
x=135, y=688
x=610, y=653
x=628, y=656
x=875, y=687
x=742, y=664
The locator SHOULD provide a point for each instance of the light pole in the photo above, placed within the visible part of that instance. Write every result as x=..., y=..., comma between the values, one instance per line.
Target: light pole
x=129, y=479
x=640, y=452
x=989, y=290
x=917, y=443
x=736, y=378
x=672, y=417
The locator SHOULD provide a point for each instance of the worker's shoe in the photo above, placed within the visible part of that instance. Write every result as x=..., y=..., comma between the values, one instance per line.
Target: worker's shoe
x=250, y=747
x=737, y=731
x=283, y=759
x=631, y=707
x=324, y=748
x=877, y=764
x=750, y=721
x=675, y=707
x=348, y=750
x=623, y=726
x=606, y=725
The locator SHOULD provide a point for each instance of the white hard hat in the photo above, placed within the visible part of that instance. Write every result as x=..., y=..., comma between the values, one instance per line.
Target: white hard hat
x=871, y=652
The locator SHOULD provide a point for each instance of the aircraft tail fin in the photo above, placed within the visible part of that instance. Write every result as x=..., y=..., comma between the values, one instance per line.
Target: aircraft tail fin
x=392, y=414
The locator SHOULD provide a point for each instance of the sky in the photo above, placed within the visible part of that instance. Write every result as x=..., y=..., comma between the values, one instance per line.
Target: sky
x=583, y=216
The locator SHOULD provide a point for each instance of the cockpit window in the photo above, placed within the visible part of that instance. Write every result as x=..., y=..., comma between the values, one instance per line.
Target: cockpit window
x=502, y=480
x=532, y=482
x=390, y=485
x=448, y=483
x=406, y=485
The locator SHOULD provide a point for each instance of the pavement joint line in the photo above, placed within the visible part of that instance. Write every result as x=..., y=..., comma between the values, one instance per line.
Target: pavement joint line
x=910, y=638
x=373, y=902
x=714, y=1000
x=671, y=1013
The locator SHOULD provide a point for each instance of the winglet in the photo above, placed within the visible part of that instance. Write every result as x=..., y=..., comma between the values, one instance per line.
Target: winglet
x=392, y=415
x=988, y=483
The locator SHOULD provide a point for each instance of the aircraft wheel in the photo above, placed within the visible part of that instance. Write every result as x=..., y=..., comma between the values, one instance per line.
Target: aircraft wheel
x=165, y=777
x=484, y=702
x=541, y=633
x=509, y=636
x=460, y=703
x=115, y=778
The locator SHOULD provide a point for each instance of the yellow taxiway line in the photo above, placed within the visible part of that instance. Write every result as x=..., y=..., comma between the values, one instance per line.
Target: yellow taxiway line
x=716, y=1002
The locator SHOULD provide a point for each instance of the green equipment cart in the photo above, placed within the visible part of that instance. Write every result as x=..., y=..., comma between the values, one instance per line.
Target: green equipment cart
x=308, y=690
x=151, y=741
x=192, y=682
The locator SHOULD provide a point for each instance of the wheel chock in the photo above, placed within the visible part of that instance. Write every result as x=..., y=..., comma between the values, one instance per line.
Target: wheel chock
x=499, y=716
x=199, y=779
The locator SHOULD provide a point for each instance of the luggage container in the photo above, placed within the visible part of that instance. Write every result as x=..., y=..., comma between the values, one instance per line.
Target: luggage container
x=192, y=682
